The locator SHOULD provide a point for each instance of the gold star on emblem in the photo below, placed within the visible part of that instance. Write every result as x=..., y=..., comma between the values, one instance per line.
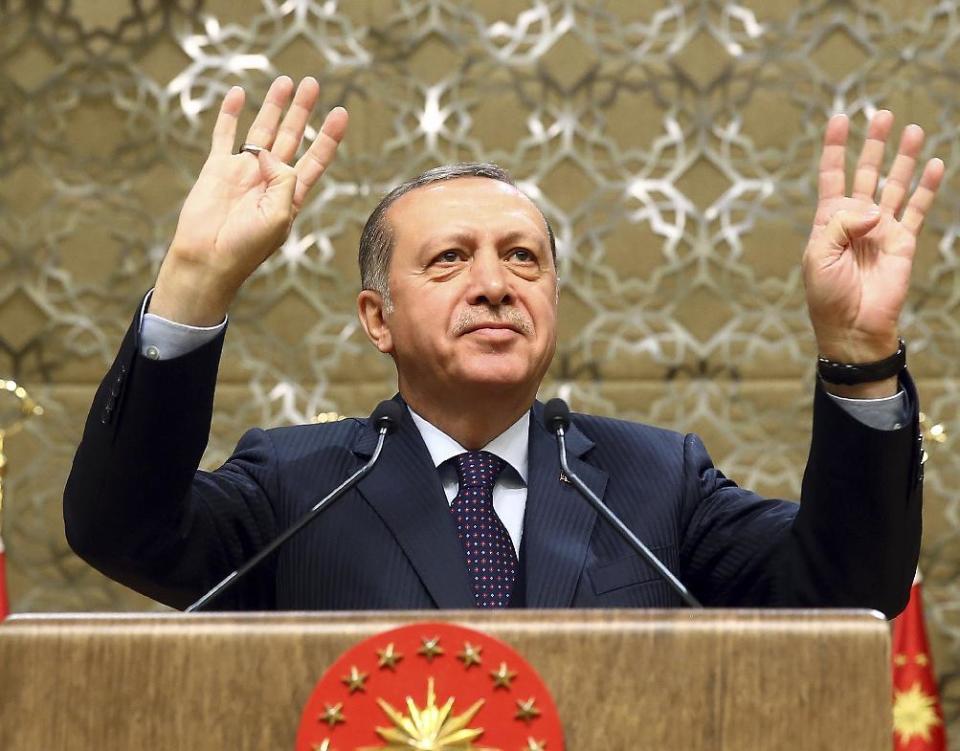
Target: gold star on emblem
x=324, y=745
x=333, y=714
x=389, y=657
x=502, y=676
x=470, y=655
x=914, y=714
x=900, y=660
x=922, y=660
x=431, y=648
x=534, y=745
x=526, y=711
x=354, y=681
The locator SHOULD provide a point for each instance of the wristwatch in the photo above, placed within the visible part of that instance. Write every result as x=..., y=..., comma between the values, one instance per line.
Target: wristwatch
x=850, y=374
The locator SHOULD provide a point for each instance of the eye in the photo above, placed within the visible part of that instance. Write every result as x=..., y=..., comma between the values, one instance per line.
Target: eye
x=448, y=256
x=522, y=255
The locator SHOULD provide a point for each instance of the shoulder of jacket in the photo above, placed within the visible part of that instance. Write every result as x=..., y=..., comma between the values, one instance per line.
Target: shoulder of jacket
x=603, y=429
x=338, y=432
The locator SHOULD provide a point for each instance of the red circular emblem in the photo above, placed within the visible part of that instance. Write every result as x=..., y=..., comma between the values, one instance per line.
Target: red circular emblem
x=432, y=687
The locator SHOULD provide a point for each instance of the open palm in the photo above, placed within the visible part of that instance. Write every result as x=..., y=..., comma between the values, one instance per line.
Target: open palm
x=859, y=257
x=241, y=207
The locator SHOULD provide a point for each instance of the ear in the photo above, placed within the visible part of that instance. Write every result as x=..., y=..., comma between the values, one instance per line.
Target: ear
x=373, y=319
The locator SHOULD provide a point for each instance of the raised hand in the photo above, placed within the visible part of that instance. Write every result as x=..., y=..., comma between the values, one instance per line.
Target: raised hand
x=242, y=206
x=857, y=263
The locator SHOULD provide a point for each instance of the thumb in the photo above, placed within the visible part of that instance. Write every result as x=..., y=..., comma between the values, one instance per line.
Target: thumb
x=281, y=181
x=846, y=226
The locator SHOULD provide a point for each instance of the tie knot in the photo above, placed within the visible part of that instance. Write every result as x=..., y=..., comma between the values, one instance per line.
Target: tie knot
x=478, y=469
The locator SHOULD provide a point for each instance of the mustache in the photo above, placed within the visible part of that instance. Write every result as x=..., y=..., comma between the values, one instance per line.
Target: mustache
x=471, y=319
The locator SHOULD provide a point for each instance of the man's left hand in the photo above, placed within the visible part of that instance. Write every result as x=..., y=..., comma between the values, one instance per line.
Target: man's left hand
x=857, y=263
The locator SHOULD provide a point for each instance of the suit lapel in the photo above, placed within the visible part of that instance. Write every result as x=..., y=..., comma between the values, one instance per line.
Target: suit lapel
x=405, y=491
x=558, y=523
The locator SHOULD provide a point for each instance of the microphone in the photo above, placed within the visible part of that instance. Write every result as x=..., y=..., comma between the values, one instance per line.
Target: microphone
x=385, y=418
x=556, y=414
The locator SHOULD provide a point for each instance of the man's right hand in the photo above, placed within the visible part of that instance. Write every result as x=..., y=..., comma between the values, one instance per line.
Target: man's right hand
x=242, y=206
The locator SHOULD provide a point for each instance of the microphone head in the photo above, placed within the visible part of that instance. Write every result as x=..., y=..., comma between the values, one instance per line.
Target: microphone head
x=556, y=414
x=387, y=415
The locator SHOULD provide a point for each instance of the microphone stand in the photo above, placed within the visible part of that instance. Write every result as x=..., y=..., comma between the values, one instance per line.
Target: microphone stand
x=622, y=528
x=386, y=425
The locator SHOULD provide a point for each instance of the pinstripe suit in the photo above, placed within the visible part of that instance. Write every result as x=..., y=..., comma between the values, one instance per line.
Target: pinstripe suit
x=136, y=508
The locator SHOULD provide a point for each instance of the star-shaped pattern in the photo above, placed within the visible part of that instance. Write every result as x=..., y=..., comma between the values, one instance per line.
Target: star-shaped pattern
x=431, y=648
x=355, y=680
x=914, y=714
x=388, y=657
x=333, y=714
x=470, y=655
x=527, y=710
x=502, y=676
x=534, y=745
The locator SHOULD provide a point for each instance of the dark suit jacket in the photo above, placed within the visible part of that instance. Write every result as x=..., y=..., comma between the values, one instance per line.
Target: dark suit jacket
x=136, y=508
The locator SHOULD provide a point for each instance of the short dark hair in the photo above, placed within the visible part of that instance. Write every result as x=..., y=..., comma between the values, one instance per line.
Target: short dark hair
x=376, y=241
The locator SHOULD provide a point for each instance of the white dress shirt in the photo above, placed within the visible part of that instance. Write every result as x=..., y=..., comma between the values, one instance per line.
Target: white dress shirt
x=510, y=490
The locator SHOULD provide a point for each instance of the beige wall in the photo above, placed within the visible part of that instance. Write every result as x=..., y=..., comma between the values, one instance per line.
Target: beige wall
x=673, y=146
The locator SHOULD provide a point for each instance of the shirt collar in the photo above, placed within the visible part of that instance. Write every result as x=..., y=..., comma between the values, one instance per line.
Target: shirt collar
x=512, y=445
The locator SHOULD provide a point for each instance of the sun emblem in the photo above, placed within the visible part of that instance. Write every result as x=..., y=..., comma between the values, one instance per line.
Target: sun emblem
x=431, y=728
x=914, y=714
x=412, y=689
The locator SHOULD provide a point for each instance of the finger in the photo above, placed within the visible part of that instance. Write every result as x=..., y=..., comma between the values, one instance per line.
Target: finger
x=277, y=200
x=264, y=128
x=901, y=171
x=321, y=153
x=867, y=174
x=291, y=129
x=922, y=199
x=831, y=181
x=225, y=129
x=847, y=226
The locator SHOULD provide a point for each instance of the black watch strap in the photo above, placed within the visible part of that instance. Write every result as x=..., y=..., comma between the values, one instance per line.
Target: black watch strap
x=850, y=374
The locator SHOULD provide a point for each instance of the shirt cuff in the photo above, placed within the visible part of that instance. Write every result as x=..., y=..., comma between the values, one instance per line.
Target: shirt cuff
x=162, y=339
x=888, y=413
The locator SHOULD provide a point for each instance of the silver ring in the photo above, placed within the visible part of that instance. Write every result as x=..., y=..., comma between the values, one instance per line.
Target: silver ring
x=250, y=148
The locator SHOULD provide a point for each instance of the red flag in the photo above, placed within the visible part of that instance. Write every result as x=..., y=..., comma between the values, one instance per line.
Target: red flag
x=917, y=714
x=4, y=604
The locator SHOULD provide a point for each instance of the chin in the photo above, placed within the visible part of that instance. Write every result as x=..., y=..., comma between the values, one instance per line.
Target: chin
x=495, y=375
x=503, y=372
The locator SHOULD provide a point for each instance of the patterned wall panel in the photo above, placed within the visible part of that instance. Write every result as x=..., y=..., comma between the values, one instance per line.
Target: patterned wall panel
x=672, y=145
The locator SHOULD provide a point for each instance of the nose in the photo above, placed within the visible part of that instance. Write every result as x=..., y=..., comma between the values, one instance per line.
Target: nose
x=490, y=281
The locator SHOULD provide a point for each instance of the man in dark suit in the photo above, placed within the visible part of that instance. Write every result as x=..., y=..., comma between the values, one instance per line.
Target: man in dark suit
x=468, y=506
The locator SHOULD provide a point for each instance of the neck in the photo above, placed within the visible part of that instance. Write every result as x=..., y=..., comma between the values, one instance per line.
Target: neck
x=472, y=420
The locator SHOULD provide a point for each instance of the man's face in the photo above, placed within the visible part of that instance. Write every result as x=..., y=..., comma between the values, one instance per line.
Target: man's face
x=473, y=286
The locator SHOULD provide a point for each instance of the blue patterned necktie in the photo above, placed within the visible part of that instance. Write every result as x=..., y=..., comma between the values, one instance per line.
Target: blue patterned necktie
x=491, y=559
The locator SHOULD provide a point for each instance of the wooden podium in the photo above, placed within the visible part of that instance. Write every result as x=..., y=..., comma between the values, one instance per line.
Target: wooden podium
x=632, y=680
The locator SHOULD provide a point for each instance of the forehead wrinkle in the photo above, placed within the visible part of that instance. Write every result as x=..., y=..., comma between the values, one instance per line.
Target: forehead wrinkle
x=459, y=193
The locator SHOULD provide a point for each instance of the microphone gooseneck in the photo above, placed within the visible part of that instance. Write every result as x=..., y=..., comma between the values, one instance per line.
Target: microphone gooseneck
x=385, y=418
x=556, y=415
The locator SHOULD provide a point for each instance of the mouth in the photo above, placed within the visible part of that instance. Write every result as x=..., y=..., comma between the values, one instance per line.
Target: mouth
x=495, y=328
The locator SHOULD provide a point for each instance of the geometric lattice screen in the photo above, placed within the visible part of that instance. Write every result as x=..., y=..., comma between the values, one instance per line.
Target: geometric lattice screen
x=672, y=145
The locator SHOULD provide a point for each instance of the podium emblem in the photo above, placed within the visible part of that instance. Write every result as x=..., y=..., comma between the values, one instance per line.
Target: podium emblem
x=430, y=687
